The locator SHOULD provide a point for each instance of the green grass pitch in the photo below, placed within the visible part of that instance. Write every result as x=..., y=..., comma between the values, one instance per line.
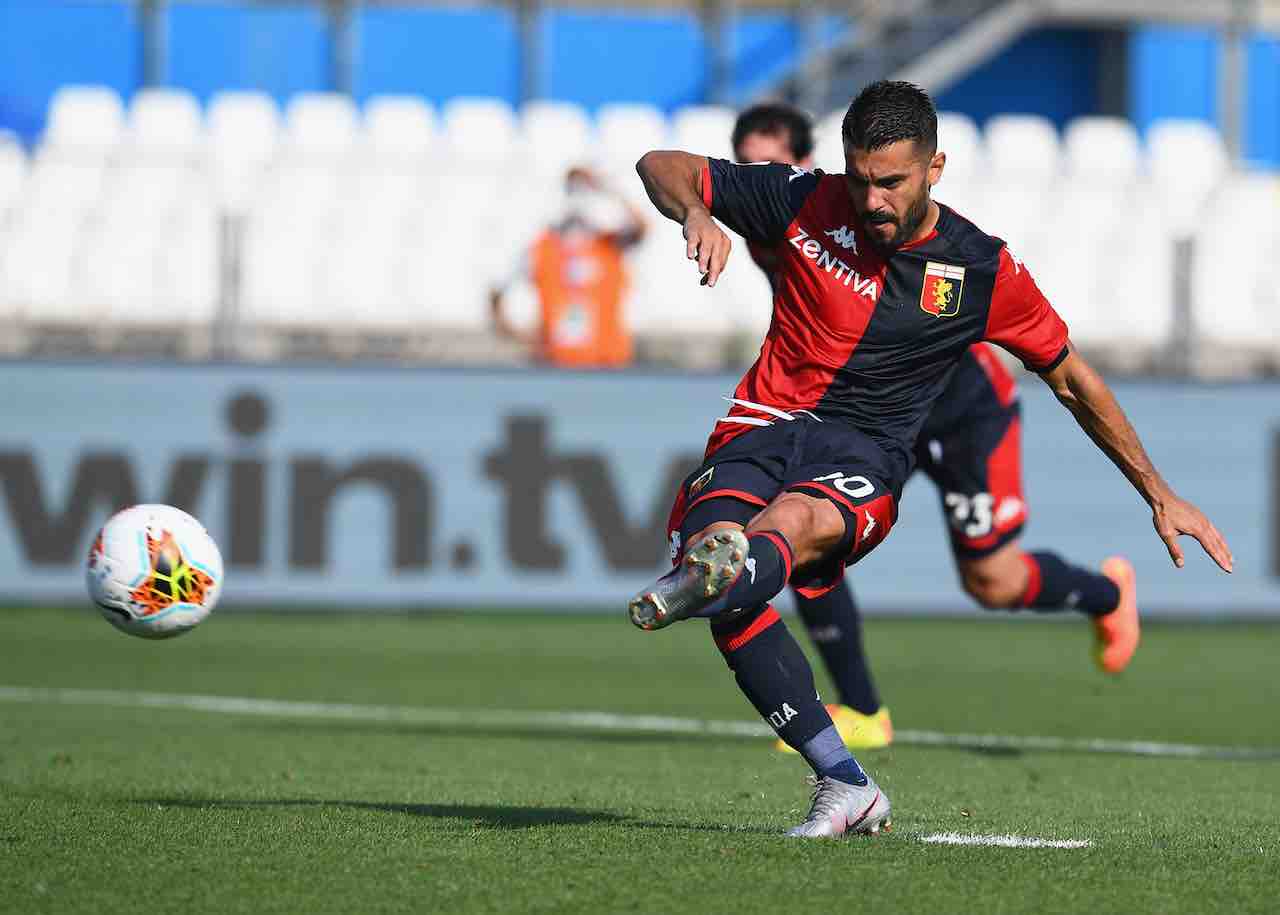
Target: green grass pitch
x=111, y=808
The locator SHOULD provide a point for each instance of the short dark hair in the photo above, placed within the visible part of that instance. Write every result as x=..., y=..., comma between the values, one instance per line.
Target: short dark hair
x=774, y=118
x=889, y=111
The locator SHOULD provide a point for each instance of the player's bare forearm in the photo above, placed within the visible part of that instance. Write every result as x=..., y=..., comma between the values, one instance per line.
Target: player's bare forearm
x=673, y=181
x=1082, y=391
x=1096, y=409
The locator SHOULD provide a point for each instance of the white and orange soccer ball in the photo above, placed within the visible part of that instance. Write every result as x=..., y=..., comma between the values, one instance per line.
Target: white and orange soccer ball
x=154, y=571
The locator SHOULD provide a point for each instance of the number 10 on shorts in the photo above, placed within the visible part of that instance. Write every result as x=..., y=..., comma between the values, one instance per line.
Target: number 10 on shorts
x=857, y=487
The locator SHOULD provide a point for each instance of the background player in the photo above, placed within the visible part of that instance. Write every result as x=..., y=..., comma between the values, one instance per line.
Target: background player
x=970, y=447
x=803, y=475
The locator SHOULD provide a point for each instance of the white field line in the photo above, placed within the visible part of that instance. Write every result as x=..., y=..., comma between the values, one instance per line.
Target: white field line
x=590, y=721
x=1005, y=841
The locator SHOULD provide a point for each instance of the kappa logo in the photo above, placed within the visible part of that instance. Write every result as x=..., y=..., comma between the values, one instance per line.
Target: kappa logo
x=943, y=286
x=1010, y=509
x=844, y=238
x=871, y=524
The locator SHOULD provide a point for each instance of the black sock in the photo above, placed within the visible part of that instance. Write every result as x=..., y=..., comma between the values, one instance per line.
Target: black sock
x=773, y=673
x=834, y=627
x=768, y=566
x=1058, y=585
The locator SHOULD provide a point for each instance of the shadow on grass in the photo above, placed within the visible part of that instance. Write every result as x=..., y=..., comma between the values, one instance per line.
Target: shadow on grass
x=407, y=729
x=490, y=816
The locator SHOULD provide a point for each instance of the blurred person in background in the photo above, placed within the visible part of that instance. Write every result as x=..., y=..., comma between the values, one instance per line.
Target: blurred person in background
x=970, y=446
x=578, y=271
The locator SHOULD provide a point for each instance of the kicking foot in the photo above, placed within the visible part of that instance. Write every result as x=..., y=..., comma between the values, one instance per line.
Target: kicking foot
x=1117, y=632
x=708, y=569
x=840, y=808
x=858, y=731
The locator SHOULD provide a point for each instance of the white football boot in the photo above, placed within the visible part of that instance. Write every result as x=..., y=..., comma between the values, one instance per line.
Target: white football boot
x=840, y=808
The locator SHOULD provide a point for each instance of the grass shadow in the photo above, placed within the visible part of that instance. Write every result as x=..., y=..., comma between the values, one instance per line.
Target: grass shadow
x=490, y=816
x=392, y=728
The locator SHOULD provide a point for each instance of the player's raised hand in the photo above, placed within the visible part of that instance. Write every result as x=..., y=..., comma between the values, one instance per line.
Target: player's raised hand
x=706, y=243
x=1176, y=516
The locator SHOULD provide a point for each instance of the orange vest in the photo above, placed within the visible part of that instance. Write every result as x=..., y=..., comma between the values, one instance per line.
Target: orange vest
x=581, y=282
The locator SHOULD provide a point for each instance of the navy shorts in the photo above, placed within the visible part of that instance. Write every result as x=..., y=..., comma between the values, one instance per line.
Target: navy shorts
x=971, y=448
x=826, y=459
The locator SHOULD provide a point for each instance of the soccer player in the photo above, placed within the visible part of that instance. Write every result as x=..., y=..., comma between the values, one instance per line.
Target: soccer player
x=879, y=294
x=970, y=447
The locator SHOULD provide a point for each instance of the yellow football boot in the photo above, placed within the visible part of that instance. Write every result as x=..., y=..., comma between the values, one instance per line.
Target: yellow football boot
x=1117, y=633
x=858, y=731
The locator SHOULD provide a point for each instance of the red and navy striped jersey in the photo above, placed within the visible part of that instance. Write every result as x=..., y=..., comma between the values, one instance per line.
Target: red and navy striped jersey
x=861, y=337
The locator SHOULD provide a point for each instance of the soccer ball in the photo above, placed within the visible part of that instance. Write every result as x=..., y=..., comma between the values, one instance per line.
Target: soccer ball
x=154, y=571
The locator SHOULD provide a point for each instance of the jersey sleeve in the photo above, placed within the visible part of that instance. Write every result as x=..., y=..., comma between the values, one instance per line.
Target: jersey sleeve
x=756, y=201
x=1021, y=319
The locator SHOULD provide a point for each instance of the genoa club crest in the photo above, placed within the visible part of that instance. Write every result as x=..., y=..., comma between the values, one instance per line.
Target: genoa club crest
x=943, y=285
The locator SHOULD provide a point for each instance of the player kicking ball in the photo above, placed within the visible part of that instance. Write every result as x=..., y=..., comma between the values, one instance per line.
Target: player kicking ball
x=970, y=447
x=879, y=293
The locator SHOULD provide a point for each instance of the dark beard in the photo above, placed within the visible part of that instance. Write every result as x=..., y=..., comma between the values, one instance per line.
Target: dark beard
x=907, y=229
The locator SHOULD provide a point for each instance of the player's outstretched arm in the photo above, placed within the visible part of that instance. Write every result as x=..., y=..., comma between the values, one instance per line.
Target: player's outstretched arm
x=1087, y=396
x=673, y=181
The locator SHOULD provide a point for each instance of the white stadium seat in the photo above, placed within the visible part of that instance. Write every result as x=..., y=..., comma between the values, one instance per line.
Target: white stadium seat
x=361, y=283
x=59, y=189
x=1187, y=161
x=625, y=132
x=479, y=133
x=244, y=129
x=35, y=274
x=115, y=273
x=84, y=120
x=1235, y=298
x=557, y=135
x=278, y=280
x=244, y=119
x=1105, y=149
x=399, y=127
x=320, y=125
x=666, y=297
x=188, y=265
x=963, y=178
x=165, y=122
x=1023, y=145
x=445, y=292
x=828, y=143
x=13, y=173
x=959, y=138
x=704, y=129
